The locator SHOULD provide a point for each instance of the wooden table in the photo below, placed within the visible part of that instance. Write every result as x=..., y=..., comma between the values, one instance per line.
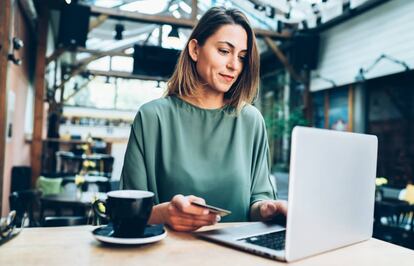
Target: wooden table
x=76, y=246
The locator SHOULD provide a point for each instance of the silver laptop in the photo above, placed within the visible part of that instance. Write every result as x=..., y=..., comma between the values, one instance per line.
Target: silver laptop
x=331, y=198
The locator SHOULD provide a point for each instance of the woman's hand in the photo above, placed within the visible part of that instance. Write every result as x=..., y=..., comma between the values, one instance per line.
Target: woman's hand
x=265, y=210
x=181, y=215
x=271, y=208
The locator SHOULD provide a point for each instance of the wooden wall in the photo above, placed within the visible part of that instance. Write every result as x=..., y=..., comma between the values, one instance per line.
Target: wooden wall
x=17, y=83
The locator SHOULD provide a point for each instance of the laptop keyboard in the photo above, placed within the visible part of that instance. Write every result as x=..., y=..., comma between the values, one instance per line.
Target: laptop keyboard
x=274, y=240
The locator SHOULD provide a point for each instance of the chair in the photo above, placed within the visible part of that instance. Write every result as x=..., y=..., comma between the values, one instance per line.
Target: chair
x=25, y=201
x=49, y=185
x=394, y=222
x=107, y=165
x=114, y=185
x=64, y=221
x=21, y=178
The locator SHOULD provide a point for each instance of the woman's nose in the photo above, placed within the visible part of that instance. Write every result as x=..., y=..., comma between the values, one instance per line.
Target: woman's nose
x=233, y=63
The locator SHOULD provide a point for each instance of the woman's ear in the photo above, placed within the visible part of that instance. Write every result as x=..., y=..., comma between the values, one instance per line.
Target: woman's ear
x=193, y=49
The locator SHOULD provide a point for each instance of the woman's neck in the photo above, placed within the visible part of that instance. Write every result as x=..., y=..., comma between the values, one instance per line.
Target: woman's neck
x=206, y=99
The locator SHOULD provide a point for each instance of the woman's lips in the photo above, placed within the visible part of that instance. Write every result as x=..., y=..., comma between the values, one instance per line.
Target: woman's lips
x=227, y=78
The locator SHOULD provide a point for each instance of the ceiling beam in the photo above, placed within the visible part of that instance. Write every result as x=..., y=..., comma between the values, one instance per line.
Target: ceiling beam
x=139, y=17
x=102, y=53
x=156, y=19
x=55, y=55
x=125, y=75
x=97, y=22
x=194, y=9
x=283, y=59
x=77, y=90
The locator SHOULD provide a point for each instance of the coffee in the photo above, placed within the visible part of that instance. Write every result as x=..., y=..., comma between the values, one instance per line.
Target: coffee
x=127, y=210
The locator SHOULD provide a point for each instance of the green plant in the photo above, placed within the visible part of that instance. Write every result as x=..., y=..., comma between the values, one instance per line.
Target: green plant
x=278, y=124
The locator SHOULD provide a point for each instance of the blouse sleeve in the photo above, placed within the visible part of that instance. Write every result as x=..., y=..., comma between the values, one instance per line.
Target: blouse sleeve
x=262, y=187
x=134, y=172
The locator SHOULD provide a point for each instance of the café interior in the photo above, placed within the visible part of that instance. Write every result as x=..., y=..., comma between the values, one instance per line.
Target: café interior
x=74, y=73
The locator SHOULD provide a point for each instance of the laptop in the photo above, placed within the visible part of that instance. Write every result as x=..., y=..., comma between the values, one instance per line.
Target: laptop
x=331, y=198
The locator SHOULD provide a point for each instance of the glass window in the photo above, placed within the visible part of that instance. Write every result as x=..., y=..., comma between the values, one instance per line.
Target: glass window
x=121, y=94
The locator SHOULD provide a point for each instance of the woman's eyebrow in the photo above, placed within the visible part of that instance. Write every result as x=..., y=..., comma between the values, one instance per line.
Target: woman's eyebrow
x=231, y=45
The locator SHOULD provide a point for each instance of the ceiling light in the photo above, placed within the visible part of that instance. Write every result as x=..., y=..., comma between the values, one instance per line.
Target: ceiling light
x=270, y=12
x=173, y=33
x=186, y=8
x=176, y=14
x=119, y=29
x=146, y=6
x=173, y=7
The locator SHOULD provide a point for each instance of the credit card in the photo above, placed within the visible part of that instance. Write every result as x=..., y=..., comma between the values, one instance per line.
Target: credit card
x=213, y=209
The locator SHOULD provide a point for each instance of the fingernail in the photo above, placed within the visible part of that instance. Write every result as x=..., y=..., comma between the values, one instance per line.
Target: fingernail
x=218, y=218
x=205, y=212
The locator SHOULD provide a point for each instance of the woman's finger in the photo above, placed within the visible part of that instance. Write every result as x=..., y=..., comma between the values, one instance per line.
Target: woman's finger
x=179, y=220
x=193, y=198
x=265, y=210
x=271, y=208
x=184, y=205
x=182, y=228
x=282, y=206
x=211, y=217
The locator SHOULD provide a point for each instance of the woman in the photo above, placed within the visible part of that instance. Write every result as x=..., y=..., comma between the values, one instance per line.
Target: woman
x=204, y=138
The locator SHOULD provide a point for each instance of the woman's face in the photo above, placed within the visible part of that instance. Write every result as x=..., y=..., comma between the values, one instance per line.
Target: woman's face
x=220, y=60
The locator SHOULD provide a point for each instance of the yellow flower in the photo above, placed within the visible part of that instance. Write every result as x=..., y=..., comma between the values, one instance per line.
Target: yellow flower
x=79, y=180
x=101, y=207
x=88, y=163
x=379, y=181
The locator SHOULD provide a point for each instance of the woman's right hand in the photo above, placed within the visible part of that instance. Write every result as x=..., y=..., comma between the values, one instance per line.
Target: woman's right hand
x=181, y=215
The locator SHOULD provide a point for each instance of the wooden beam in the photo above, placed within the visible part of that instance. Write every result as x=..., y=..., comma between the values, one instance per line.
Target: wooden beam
x=143, y=18
x=97, y=22
x=29, y=10
x=326, y=108
x=283, y=59
x=55, y=55
x=307, y=98
x=157, y=19
x=125, y=75
x=102, y=53
x=194, y=10
x=76, y=92
x=351, y=108
x=82, y=65
x=36, y=149
x=5, y=17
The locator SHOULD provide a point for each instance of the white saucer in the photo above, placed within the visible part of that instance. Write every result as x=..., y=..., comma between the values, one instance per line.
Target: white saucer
x=104, y=233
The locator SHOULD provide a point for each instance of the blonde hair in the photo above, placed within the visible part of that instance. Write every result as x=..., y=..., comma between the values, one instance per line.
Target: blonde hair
x=185, y=78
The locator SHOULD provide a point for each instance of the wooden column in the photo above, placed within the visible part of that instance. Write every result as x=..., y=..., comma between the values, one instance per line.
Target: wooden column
x=5, y=17
x=36, y=149
x=351, y=108
x=194, y=10
x=326, y=109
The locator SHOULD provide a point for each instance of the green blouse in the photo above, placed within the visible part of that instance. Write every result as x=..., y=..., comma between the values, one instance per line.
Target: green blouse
x=178, y=148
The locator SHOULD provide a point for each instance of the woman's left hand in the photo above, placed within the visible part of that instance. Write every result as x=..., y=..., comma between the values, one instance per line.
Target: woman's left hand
x=270, y=208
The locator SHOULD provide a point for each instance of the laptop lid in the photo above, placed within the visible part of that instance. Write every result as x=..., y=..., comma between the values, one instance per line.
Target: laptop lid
x=331, y=190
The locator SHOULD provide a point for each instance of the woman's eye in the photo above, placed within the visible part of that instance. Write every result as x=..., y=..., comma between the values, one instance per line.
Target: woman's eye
x=223, y=51
x=242, y=58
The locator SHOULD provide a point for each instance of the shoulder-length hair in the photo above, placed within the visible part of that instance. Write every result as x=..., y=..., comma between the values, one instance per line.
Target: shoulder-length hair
x=185, y=78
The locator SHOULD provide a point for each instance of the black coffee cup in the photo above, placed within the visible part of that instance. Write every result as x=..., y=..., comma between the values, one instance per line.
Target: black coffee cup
x=127, y=210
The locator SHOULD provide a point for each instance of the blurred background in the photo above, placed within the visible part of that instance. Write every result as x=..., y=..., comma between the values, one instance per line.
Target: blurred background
x=74, y=73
